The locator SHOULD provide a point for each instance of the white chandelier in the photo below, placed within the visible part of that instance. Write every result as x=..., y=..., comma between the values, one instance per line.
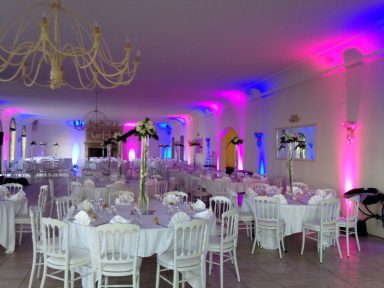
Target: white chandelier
x=83, y=68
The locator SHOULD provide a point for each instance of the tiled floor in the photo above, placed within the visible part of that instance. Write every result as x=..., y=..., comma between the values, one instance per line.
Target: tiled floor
x=263, y=269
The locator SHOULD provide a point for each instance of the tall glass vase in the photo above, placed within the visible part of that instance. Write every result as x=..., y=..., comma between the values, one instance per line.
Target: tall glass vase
x=194, y=156
x=143, y=201
x=119, y=161
x=290, y=166
x=235, y=170
x=109, y=154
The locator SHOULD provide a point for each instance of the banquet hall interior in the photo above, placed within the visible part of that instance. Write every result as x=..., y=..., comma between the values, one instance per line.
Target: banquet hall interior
x=257, y=122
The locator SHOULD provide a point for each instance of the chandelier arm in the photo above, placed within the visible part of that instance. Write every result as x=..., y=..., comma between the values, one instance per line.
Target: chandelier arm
x=80, y=77
x=34, y=78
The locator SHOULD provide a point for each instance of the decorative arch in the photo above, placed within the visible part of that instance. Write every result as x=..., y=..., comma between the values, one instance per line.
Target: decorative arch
x=227, y=152
x=23, y=142
x=12, y=140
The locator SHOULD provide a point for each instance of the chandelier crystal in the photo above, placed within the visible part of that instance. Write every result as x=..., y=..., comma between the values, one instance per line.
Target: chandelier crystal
x=67, y=64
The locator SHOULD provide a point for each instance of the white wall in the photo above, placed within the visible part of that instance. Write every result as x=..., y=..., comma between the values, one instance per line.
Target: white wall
x=356, y=95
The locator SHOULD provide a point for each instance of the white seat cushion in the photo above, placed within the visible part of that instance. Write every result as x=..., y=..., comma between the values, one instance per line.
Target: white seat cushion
x=77, y=257
x=266, y=223
x=343, y=222
x=214, y=244
x=166, y=260
x=121, y=267
x=246, y=217
x=315, y=225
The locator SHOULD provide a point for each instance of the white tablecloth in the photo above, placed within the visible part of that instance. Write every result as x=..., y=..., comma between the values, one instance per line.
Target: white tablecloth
x=8, y=211
x=154, y=239
x=294, y=216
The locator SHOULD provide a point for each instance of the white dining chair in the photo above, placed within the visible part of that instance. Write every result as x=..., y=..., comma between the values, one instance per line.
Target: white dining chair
x=187, y=254
x=219, y=205
x=116, y=253
x=23, y=221
x=324, y=228
x=57, y=254
x=89, y=183
x=52, y=195
x=246, y=219
x=225, y=245
x=349, y=222
x=63, y=204
x=267, y=217
x=43, y=197
x=36, y=213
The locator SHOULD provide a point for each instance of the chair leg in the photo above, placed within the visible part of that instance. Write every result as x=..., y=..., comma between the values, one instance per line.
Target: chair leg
x=33, y=270
x=221, y=270
x=254, y=240
x=50, y=213
x=278, y=242
x=21, y=233
x=236, y=266
x=338, y=246
x=321, y=247
x=210, y=264
x=357, y=238
x=303, y=242
x=72, y=279
x=175, y=279
x=44, y=277
x=347, y=240
x=157, y=275
x=40, y=263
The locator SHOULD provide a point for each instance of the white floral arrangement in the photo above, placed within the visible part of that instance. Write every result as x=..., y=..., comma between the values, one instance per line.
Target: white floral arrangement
x=170, y=199
x=144, y=128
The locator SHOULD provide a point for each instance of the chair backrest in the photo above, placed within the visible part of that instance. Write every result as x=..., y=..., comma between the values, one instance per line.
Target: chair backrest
x=353, y=208
x=220, y=187
x=14, y=188
x=76, y=189
x=329, y=211
x=117, y=244
x=89, y=192
x=193, y=184
x=89, y=183
x=232, y=195
x=181, y=195
x=43, y=196
x=35, y=213
x=266, y=208
x=63, y=205
x=161, y=187
x=219, y=205
x=190, y=240
x=51, y=188
x=229, y=227
x=55, y=234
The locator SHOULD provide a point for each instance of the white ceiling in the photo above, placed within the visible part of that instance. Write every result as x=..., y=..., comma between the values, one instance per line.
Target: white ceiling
x=192, y=51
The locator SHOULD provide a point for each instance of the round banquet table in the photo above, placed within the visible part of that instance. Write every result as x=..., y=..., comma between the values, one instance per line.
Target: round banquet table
x=154, y=238
x=8, y=211
x=294, y=215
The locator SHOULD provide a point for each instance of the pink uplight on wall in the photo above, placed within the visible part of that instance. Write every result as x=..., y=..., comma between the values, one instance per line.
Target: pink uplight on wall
x=131, y=154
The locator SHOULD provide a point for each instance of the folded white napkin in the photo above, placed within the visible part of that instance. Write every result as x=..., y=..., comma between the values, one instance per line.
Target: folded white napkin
x=204, y=214
x=85, y=205
x=198, y=205
x=178, y=217
x=70, y=212
x=281, y=198
x=119, y=219
x=124, y=199
x=297, y=191
x=18, y=196
x=273, y=190
x=82, y=218
x=320, y=192
x=250, y=192
x=315, y=199
x=170, y=199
